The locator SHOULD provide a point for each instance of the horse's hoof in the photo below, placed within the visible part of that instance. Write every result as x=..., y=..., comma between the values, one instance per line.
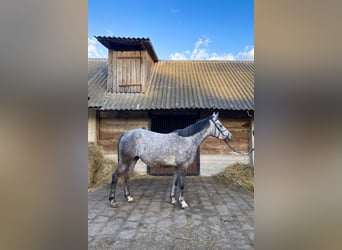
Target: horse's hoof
x=113, y=204
x=130, y=199
x=186, y=207
x=173, y=201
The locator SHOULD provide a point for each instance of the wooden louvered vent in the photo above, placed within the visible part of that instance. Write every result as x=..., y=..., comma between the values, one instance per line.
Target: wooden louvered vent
x=129, y=71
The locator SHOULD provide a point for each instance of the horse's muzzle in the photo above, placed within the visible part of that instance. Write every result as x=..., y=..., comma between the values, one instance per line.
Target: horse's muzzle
x=229, y=137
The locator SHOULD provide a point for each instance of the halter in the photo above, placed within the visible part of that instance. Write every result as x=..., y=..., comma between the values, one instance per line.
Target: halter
x=220, y=131
x=226, y=141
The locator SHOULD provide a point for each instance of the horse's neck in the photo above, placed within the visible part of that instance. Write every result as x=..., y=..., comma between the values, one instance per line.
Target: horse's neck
x=199, y=137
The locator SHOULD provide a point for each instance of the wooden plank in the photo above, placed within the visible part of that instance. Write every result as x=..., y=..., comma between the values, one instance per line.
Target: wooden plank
x=119, y=74
x=130, y=84
x=132, y=75
x=129, y=71
x=114, y=72
x=109, y=126
x=108, y=146
x=137, y=63
x=110, y=71
x=146, y=68
x=124, y=71
x=92, y=129
x=143, y=63
x=125, y=114
x=128, y=54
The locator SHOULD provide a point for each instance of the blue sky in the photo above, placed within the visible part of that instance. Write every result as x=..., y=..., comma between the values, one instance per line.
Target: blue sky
x=178, y=29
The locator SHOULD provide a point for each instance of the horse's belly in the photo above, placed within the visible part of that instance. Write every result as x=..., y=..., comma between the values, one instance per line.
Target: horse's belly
x=170, y=153
x=158, y=161
x=169, y=160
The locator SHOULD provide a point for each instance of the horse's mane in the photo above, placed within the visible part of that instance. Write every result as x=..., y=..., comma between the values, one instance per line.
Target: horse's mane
x=193, y=128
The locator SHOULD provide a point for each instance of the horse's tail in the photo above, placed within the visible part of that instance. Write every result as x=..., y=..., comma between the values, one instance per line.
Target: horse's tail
x=118, y=147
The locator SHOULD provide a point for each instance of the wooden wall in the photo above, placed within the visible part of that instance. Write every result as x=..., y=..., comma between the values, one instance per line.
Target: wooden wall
x=128, y=71
x=92, y=125
x=146, y=69
x=113, y=124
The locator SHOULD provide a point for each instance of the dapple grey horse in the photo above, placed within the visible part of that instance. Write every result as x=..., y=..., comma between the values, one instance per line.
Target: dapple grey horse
x=176, y=149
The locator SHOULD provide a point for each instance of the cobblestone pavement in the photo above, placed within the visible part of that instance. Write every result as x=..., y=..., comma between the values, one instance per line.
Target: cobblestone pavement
x=218, y=218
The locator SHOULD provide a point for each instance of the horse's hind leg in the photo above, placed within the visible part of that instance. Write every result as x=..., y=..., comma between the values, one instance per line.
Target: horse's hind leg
x=115, y=177
x=174, y=186
x=127, y=175
x=182, y=186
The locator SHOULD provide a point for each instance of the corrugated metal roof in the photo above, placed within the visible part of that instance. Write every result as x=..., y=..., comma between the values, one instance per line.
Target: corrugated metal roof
x=128, y=43
x=97, y=82
x=221, y=85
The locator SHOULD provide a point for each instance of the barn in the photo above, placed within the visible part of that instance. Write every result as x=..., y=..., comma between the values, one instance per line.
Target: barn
x=134, y=89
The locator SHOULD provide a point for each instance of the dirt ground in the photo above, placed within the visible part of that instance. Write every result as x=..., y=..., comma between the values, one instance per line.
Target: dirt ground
x=219, y=217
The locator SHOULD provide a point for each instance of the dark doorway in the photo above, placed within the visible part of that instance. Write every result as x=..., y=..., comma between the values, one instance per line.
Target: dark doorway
x=167, y=124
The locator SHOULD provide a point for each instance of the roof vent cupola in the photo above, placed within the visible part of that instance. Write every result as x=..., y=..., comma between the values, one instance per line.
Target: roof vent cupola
x=130, y=61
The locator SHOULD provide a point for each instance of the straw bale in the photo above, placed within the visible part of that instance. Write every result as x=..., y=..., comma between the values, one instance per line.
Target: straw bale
x=105, y=172
x=95, y=158
x=101, y=169
x=238, y=175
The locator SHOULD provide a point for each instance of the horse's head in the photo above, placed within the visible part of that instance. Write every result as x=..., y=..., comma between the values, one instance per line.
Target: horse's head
x=221, y=131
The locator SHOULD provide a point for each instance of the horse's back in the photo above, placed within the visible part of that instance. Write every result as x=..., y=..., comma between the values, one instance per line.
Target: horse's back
x=137, y=137
x=145, y=134
x=137, y=133
x=140, y=139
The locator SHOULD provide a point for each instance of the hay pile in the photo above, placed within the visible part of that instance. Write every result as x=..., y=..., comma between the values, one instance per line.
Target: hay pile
x=95, y=158
x=100, y=169
x=105, y=172
x=238, y=175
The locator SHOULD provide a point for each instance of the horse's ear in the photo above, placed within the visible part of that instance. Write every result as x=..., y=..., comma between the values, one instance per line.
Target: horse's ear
x=215, y=115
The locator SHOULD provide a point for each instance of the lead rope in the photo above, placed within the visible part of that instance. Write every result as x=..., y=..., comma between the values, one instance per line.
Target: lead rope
x=240, y=153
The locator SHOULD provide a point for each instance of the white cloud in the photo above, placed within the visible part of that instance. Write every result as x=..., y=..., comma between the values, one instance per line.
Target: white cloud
x=226, y=57
x=246, y=55
x=95, y=49
x=178, y=56
x=200, y=52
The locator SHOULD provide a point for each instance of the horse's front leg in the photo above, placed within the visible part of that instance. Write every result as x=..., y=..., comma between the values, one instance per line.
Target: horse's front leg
x=182, y=187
